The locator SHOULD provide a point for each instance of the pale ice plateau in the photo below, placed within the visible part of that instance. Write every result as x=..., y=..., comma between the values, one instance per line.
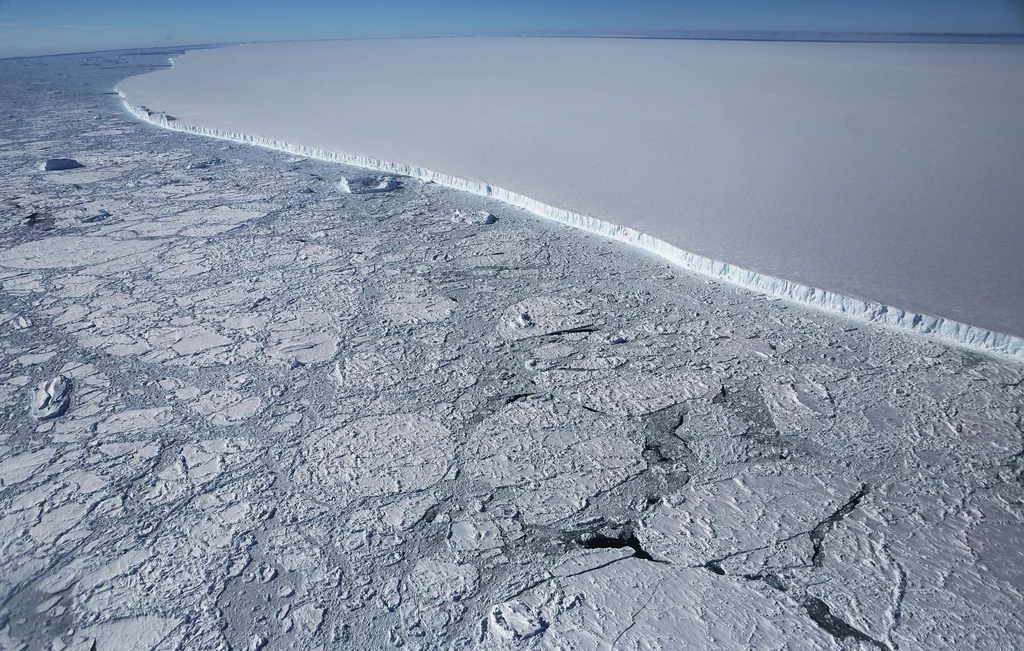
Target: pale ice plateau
x=883, y=172
x=252, y=400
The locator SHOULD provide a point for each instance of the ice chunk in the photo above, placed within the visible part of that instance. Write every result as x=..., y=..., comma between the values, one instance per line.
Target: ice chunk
x=52, y=398
x=131, y=633
x=639, y=394
x=57, y=164
x=93, y=217
x=16, y=469
x=513, y=621
x=417, y=307
x=474, y=217
x=368, y=185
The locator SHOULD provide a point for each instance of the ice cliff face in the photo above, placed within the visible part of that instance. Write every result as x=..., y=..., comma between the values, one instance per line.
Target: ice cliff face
x=932, y=326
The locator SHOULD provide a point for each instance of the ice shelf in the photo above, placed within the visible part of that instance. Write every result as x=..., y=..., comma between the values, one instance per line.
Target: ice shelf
x=922, y=324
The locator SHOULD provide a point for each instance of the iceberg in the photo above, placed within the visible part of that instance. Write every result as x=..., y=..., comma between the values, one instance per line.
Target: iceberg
x=922, y=324
x=875, y=181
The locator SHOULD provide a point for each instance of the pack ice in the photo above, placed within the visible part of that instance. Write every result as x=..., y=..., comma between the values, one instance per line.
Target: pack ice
x=248, y=410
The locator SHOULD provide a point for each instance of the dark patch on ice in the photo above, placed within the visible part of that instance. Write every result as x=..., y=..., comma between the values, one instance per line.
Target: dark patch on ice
x=720, y=397
x=616, y=539
x=39, y=220
x=770, y=579
x=58, y=164
x=825, y=526
x=203, y=164
x=668, y=455
x=774, y=581
x=517, y=397
x=822, y=615
x=571, y=331
x=93, y=218
x=816, y=609
x=667, y=421
x=430, y=514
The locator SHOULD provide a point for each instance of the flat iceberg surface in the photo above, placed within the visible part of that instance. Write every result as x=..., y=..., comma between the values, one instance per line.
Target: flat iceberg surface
x=884, y=172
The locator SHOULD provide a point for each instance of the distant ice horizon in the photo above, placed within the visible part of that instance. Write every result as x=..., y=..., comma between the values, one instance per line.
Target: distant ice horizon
x=783, y=36
x=734, y=158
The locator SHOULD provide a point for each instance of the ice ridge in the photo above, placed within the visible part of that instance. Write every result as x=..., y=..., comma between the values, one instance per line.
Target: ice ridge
x=940, y=328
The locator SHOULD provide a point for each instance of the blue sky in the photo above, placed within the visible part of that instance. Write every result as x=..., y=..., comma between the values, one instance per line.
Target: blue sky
x=39, y=26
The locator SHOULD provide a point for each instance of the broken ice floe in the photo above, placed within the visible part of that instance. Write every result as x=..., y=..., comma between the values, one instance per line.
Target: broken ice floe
x=135, y=420
x=795, y=405
x=513, y=621
x=16, y=321
x=417, y=307
x=474, y=217
x=58, y=164
x=544, y=315
x=628, y=394
x=202, y=164
x=71, y=251
x=368, y=184
x=227, y=407
x=770, y=521
x=378, y=455
x=52, y=398
x=564, y=453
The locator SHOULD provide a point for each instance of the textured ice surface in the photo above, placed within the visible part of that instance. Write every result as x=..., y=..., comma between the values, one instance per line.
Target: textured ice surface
x=884, y=172
x=299, y=418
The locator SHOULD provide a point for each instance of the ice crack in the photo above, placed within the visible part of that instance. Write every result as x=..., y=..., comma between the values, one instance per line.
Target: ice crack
x=825, y=526
x=822, y=615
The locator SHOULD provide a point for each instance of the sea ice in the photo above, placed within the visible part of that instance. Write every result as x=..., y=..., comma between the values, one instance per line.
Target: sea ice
x=323, y=420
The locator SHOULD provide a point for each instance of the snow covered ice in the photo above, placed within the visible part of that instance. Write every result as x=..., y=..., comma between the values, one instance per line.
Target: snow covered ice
x=52, y=398
x=283, y=416
x=879, y=180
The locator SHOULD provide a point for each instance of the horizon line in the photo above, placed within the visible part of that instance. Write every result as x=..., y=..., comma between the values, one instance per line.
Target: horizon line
x=780, y=36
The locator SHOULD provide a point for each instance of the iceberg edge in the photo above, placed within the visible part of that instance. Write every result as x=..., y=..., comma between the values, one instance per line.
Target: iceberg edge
x=940, y=328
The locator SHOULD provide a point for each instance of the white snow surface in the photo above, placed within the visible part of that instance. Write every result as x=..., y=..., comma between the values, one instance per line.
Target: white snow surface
x=852, y=177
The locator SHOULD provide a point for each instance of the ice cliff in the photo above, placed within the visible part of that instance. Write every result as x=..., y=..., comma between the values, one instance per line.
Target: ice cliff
x=940, y=328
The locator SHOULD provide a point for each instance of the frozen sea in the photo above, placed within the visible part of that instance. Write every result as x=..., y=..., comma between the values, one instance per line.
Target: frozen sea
x=250, y=400
x=885, y=172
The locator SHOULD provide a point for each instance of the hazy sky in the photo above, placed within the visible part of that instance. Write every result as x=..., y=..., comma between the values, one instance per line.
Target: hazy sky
x=40, y=26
